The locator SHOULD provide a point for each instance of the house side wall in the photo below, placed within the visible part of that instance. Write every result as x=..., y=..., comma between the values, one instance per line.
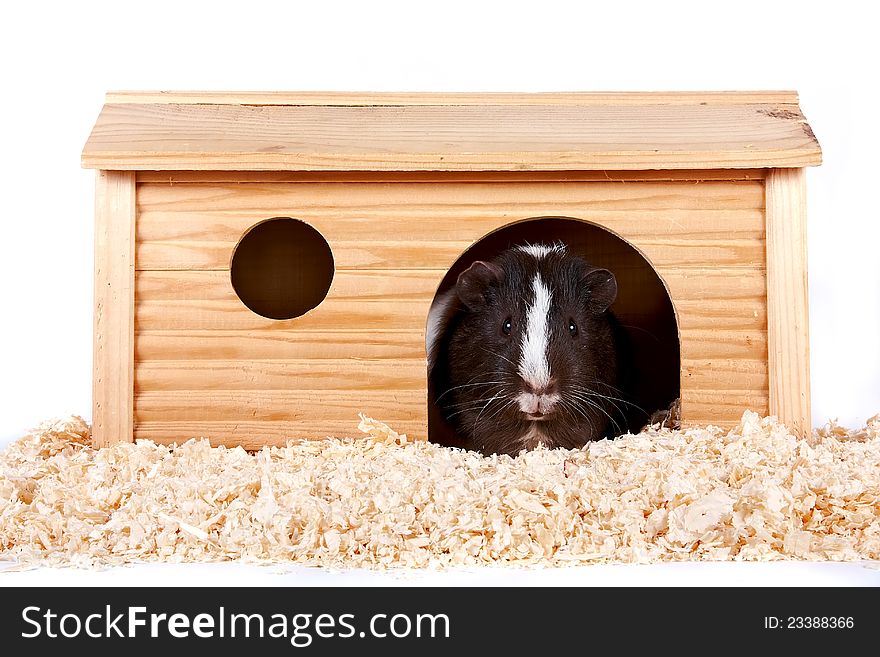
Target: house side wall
x=113, y=349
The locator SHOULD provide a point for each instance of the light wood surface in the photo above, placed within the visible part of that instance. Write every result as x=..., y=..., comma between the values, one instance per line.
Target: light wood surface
x=198, y=226
x=722, y=408
x=230, y=344
x=255, y=434
x=787, y=302
x=433, y=198
x=387, y=177
x=706, y=344
x=308, y=374
x=386, y=255
x=207, y=364
x=620, y=132
x=278, y=405
x=113, y=375
x=379, y=375
x=447, y=98
x=706, y=298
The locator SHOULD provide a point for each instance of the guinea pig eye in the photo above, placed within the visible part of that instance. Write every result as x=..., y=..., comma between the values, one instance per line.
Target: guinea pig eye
x=506, y=326
x=572, y=328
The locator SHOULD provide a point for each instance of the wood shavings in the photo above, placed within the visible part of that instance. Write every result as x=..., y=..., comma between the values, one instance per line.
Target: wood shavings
x=384, y=501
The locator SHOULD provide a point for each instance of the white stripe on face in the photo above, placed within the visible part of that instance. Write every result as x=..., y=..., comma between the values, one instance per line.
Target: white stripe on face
x=533, y=365
x=538, y=251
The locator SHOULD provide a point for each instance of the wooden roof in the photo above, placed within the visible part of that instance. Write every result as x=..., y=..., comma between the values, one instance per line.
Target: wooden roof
x=173, y=131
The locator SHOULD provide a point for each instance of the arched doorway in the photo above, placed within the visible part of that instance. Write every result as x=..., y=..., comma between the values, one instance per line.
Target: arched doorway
x=643, y=308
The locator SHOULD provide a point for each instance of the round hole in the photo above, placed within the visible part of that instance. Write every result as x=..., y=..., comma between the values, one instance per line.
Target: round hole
x=282, y=268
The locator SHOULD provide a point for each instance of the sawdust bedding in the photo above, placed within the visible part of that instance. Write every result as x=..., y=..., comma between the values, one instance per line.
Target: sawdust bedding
x=381, y=501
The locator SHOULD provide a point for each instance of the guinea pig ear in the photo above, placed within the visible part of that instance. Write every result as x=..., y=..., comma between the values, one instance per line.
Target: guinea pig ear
x=474, y=281
x=600, y=287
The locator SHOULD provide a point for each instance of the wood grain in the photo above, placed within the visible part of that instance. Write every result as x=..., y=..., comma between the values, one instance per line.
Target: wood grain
x=277, y=405
x=182, y=315
x=721, y=408
x=500, y=137
x=389, y=177
x=725, y=374
x=787, y=299
x=198, y=226
x=388, y=285
x=425, y=199
x=311, y=374
x=704, y=298
x=207, y=344
x=202, y=354
x=701, y=344
x=432, y=255
x=113, y=375
x=257, y=434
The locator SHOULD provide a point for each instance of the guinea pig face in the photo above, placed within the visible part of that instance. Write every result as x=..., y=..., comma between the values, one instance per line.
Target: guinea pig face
x=533, y=347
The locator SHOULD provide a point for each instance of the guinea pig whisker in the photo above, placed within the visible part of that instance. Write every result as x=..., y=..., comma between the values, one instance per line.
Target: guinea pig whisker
x=469, y=382
x=643, y=330
x=489, y=351
x=476, y=402
x=594, y=395
x=593, y=404
x=472, y=405
x=469, y=405
x=623, y=401
x=571, y=409
x=468, y=385
x=463, y=410
x=488, y=403
x=508, y=403
x=607, y=386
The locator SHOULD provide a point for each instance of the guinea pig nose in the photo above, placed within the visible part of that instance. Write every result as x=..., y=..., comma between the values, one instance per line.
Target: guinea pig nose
x=537, y=404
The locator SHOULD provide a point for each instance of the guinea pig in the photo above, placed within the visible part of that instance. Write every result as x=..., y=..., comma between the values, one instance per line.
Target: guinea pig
x=524, y=350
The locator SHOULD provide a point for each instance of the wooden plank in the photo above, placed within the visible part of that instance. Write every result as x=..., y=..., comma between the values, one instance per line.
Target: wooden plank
x=724, y=374
x=197, y=227
x=701, y=283
x=436, y=255
x=347, y=255
x=407, y=224
x=722, y=408
x=696, y=344
x=704, y=298
x=700, y=408
x=293, y=344
x=278, y=405
x=431, y=199
x=746, y=314
x=702, y=344
x=184, y=315
x=385, y=177
x=787, y=299
x=388, y=285
x=255, y=435
x=388, y=375
x=447, y=98
x=113, y=376
x=175, y=136
x=684, y=283
x=311, y=374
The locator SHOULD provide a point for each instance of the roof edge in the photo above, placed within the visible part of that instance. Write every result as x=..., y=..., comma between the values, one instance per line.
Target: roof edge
x=370, y=98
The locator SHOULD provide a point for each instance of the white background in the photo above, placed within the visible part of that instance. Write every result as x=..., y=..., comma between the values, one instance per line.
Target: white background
x=58, y=59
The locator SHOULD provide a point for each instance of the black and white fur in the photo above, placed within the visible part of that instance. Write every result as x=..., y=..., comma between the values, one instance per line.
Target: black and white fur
x=522, y=351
